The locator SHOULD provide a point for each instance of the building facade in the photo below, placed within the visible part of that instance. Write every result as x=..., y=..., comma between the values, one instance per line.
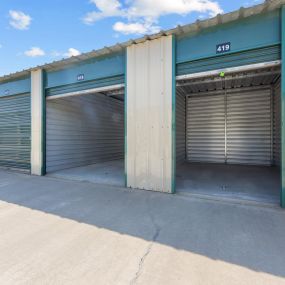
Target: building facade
x=211, y=92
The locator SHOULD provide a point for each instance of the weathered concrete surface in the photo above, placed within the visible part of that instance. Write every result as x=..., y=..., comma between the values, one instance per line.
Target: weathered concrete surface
x=107, y=173
x=64, y=232
x=245, y=182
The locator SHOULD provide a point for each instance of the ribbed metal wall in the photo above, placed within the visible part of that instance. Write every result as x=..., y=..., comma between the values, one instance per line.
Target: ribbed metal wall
x=180, y=128
x=249, y=133
x=260, y=55
x=15, y=131
x=84, y=85
x=206, y=128
x=83, y=130
x=277, y=123
x=149, y=143
x=234, y=127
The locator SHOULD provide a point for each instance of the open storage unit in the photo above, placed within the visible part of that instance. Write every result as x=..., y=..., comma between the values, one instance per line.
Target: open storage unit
x=228, y=134
x=85, y=137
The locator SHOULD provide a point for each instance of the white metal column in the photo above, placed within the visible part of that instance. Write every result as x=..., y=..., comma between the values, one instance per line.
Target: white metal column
x=37, y=124
x=150, y=103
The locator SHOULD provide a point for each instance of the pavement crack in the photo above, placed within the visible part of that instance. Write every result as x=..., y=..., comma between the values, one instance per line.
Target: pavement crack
x=148, y=249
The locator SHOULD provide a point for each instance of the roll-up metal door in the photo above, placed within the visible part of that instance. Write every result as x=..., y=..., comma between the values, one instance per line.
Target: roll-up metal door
x=15, y=132
x=180, y=127
x=234, y=127
x=277, y=123
x=249, y=121
x=206, y=128
x=83, y=130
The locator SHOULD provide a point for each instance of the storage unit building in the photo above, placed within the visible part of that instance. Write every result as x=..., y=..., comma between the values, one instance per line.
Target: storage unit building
x=179, y=109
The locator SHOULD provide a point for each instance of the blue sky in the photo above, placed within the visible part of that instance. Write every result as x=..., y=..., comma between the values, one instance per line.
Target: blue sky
x=34, y=32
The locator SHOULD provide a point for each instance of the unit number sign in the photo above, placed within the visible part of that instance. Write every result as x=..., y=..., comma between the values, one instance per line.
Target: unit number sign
x=225, y=47
x=80, y=77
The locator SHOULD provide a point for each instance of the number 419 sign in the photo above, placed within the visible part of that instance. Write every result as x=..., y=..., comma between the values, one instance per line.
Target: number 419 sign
x=225, y=47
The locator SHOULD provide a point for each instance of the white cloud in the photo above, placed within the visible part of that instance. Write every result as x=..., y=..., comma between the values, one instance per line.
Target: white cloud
x=34, y=52
x=135, y=28
x=72, y=52
x=142, y=16
x=106, y=8
x=69, y=53
x=19, y=20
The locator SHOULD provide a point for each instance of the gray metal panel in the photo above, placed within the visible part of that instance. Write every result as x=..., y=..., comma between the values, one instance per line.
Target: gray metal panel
x=249, y=119
x=15, y=131
x=180, y=127
x=83, y=130
x=277, y=123
x=259, y=55
x=206, y=128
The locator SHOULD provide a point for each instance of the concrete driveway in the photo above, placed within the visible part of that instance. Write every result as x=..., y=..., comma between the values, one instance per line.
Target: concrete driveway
x=63, y=232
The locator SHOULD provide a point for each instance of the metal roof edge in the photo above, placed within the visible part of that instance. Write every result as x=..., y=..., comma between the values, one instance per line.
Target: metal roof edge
x=267, y=6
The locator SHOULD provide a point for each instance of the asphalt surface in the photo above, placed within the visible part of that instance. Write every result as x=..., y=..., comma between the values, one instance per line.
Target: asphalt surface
x=55, y=231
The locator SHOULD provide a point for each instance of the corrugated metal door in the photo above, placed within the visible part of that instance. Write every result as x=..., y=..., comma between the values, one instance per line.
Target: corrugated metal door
x=234, y=127
x=180, y=127
x=83, y=130
x=15, y=131
x=277, y=123
x=206, y=128
x=249, y=139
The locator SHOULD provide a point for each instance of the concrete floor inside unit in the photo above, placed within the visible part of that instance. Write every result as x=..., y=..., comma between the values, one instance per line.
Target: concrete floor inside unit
x=254, y=183
x=108, y=173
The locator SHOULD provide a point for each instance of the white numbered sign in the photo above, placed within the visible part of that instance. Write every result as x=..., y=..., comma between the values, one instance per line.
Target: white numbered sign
x=225, y=47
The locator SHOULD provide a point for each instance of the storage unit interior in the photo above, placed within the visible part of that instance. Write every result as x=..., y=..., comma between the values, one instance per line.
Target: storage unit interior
x=85, y=137
x=228, y=135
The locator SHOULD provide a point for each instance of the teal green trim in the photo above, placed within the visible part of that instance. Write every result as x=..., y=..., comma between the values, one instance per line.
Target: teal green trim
x=245, y=57
x=43, y=168
x=16, y=87
x=93, y=69
x=173, y=186
x=84, y=85
x=126, y=122
x=282, y=194
x=244, y=34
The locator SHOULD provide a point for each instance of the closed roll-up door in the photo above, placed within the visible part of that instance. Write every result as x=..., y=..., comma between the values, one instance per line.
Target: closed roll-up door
x=249, y=127
x=233, y=128
x=206, y=128
x=15, y=131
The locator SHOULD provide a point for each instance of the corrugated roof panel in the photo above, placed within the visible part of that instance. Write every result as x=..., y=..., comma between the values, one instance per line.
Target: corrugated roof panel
x=268, y=5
